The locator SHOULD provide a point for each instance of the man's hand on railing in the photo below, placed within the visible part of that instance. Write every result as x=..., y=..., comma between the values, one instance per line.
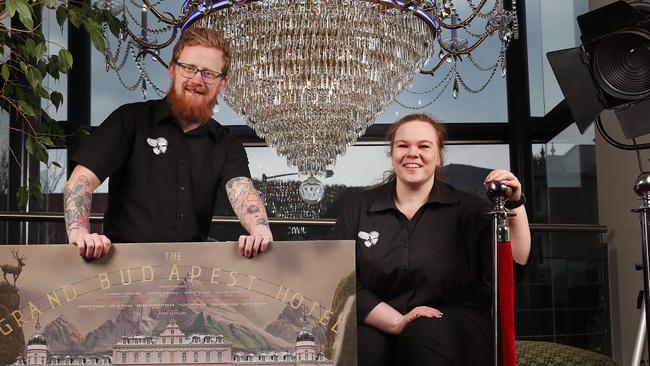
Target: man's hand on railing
x=77, y=200
x=91, y=246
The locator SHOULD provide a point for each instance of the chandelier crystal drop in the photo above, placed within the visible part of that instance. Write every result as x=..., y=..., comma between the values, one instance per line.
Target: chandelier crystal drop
x=309, y=77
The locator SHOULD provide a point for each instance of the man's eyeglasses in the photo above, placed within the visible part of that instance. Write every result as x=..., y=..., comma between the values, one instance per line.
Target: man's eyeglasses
x=209, y=76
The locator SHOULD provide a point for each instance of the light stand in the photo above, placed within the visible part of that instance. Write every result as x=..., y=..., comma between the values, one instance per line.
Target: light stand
x=641, y=330
x=610, y=70
x=642, y=189
x=498, y=193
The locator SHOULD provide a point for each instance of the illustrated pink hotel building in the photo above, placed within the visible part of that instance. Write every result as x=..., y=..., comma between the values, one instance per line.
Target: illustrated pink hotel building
x=173, y=347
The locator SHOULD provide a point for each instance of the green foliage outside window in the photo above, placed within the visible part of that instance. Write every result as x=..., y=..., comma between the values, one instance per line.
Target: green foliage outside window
x=25, y=63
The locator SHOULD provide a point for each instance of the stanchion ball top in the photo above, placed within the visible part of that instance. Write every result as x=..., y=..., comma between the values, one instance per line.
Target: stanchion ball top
x=642, y=184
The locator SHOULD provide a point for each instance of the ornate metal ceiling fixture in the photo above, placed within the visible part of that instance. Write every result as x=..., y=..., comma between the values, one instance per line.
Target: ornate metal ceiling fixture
x=310, y=76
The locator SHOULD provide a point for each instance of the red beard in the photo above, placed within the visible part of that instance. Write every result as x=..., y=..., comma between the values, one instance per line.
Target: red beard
x=190, y=110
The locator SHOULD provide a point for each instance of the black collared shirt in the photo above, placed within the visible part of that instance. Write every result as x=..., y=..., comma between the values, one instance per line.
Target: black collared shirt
x=438, y=258
x=160, y=193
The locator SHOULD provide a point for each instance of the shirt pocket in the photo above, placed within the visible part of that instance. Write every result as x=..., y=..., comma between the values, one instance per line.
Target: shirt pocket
x=204, y=183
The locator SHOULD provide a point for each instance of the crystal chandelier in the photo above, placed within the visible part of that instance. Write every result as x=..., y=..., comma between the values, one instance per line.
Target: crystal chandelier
x=310, y=76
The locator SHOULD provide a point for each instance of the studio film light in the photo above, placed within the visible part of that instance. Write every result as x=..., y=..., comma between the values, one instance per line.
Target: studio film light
x=611, y=69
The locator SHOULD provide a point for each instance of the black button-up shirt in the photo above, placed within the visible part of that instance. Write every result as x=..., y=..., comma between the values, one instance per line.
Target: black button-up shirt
x=163, y=181
x=441, y=257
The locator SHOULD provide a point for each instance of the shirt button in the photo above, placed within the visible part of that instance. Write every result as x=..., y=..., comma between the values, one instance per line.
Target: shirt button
x=181, y=216
x=404, y=245
x=182, y=161
x=183, y=189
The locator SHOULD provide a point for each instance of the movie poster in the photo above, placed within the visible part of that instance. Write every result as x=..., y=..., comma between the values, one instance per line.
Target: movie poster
x=177, y=304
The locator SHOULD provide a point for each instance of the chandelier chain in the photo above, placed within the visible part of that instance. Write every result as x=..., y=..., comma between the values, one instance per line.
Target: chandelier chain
x=113, y=57
x=433, y=88
x=433, y=100
x=485, y=68
x=468, y=88
x=161, y=93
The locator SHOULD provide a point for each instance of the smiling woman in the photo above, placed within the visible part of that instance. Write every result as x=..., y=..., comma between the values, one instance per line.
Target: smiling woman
x=416, y=143
x=423, y=254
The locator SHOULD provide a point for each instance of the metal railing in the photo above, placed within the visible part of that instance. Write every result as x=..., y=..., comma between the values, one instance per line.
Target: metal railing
x=98, y=218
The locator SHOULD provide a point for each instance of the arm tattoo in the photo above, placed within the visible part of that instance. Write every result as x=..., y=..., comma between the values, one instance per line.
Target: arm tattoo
x=252, y=209
x=246, y=202
x=76, y=204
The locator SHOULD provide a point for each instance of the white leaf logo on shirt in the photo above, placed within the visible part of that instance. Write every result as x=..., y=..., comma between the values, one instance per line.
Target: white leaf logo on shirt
x=159, y=145
x=370, y=238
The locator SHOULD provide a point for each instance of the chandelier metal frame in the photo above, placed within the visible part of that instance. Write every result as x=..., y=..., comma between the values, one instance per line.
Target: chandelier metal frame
x=433, y=12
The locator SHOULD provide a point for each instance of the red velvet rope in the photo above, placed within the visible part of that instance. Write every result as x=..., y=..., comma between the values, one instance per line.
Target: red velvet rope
x=506, y=303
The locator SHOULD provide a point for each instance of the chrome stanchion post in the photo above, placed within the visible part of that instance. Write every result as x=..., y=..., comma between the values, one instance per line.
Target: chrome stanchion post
x=498, y=193
x=642, y=189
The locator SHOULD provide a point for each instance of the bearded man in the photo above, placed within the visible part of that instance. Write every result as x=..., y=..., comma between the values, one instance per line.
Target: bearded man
x=166, y=160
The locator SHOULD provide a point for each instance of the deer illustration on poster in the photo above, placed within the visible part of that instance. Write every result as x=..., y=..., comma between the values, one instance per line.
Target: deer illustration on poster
x=12, y=269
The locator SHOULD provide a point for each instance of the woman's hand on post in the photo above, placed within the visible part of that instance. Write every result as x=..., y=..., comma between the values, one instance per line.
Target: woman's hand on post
x=506, y=178
x=519, y=228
